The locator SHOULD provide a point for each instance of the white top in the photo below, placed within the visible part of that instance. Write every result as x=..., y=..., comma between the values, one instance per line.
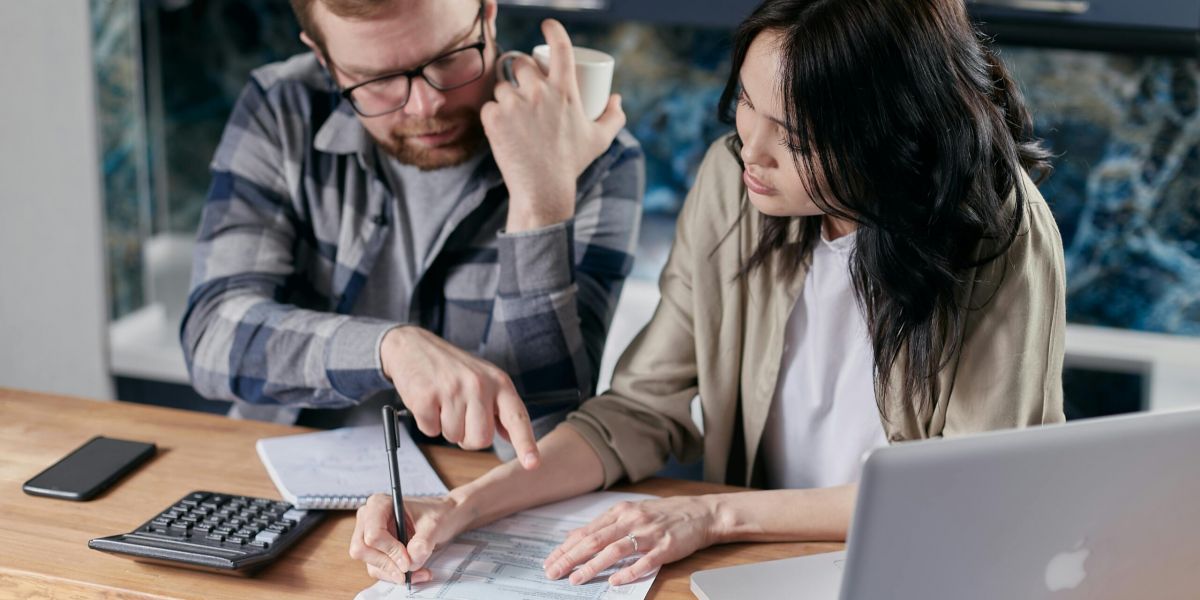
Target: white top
x=823, y=417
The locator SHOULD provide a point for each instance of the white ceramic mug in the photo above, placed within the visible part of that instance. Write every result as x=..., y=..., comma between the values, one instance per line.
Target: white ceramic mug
x=593, y=72
x=593, y=75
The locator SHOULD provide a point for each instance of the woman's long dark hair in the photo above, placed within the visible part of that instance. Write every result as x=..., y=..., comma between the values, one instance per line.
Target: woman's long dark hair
x=922, y=138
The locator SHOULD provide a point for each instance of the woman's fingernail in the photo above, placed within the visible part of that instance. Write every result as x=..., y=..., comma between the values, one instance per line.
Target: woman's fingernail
x=529, y=460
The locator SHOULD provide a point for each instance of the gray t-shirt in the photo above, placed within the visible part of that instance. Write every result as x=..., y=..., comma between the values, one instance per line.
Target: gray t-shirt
x=423, y=203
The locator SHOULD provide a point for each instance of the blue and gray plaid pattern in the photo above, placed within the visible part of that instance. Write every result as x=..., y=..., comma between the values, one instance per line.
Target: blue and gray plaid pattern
x=297, y=216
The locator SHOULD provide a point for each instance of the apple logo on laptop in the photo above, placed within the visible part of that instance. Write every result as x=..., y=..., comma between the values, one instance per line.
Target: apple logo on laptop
x=1065, y=571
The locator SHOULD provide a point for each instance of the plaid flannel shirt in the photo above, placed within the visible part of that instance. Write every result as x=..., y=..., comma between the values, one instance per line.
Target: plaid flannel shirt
x=297, y=215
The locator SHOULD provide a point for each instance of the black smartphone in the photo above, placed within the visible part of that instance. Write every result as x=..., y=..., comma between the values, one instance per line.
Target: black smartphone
x=89, y=469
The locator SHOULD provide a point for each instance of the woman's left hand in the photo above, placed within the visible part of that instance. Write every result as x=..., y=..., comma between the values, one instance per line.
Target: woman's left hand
x=666, y=530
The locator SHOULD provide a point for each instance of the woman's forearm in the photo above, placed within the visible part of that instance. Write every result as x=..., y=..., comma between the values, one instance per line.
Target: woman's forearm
x=822, y=514
x=569, y=467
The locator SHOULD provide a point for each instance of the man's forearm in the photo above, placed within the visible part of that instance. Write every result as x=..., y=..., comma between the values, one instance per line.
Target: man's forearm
x=265, y=367
x=569, y=467
x=536, y=328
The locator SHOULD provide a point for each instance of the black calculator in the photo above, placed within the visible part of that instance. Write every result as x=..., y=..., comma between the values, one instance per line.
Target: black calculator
x=224, y=533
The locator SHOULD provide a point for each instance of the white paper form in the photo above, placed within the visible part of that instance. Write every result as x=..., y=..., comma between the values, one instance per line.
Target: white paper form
x=503, y=561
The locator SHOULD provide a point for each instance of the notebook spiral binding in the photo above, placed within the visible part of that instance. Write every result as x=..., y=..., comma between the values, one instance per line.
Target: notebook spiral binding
x=337, y=502
x=330, y=502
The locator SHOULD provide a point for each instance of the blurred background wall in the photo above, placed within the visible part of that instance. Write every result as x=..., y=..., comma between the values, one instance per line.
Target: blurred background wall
x=53, y=305
x=1114, y=92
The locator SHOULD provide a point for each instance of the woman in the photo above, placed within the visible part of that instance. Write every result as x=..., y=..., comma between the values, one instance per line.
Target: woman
x=865, y=262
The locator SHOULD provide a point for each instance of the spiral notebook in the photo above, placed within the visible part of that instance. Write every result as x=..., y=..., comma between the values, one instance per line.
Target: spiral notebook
x=339, y=469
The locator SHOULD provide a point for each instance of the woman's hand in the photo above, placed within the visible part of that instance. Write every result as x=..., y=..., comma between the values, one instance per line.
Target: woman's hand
x=430, y=523
x=666, y=530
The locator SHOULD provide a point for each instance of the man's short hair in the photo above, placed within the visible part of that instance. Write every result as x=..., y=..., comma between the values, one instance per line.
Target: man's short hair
x=350, y=9
x=347, y=9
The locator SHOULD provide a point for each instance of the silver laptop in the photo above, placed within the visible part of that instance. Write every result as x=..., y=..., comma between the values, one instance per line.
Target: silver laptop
x=1101, y=509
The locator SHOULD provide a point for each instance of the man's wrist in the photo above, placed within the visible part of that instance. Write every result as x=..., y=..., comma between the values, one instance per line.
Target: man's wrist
x=518, y=223
x=390, y=347
x=530, y=212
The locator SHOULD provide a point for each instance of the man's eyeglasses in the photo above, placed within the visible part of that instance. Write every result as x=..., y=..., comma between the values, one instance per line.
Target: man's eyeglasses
x=389, y=93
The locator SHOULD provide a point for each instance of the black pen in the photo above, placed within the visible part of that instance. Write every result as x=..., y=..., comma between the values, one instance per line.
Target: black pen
x=392, y=443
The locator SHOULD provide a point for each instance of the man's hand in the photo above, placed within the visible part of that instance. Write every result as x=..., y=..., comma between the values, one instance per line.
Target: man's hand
x=540, y=137
x=432, y=522
x=452, y=393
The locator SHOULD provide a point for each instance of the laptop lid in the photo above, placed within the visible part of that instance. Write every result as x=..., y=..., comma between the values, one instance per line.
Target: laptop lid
x=1099, y=509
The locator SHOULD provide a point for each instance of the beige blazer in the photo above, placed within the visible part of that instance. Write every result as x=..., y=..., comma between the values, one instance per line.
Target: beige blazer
x=722, y=338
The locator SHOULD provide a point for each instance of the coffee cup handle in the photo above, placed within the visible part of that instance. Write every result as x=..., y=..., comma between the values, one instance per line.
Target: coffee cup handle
x=504, y=72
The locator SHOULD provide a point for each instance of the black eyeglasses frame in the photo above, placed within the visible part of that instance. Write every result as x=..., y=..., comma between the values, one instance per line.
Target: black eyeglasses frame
x=419, y=71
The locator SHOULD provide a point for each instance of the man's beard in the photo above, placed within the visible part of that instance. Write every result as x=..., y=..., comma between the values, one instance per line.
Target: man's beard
x=399, y=145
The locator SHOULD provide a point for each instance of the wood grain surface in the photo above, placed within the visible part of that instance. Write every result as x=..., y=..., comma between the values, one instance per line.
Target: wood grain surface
x=43, y=541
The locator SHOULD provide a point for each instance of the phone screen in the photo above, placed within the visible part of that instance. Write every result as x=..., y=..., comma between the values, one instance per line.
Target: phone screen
x=90, y=468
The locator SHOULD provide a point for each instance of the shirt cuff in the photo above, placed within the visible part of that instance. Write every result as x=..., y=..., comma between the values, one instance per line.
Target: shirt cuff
x=352, y=360
x=538, y=261
x=613, y=470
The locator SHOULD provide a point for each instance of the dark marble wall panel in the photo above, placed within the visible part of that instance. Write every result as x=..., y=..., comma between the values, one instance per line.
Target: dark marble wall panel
x=122, y=133
x=1126, y=191
x=207, y=50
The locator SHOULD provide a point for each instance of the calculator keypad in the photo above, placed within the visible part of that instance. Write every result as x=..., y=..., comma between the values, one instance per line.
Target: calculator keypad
x=220, y=520
x=215, y=532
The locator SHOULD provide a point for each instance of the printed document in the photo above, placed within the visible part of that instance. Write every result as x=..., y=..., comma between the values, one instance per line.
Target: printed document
x=503, y=561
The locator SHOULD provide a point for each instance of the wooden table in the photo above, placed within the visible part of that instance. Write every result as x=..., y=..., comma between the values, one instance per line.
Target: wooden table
x=43, y=541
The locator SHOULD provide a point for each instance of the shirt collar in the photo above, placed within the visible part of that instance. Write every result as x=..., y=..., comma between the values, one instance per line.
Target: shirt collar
x=342, y=133
x=843, y=245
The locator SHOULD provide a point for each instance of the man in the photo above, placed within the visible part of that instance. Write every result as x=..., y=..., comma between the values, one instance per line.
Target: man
x=385, y=218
